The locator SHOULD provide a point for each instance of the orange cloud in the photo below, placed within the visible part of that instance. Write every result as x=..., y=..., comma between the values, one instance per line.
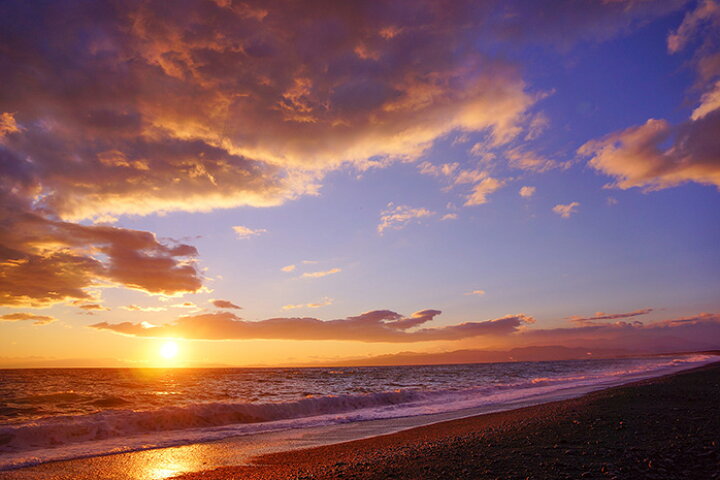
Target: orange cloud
x=659, y=155
x=375, y=326
x=37, y=319
x=565, y=211
x=637, y=156
x=481, y=190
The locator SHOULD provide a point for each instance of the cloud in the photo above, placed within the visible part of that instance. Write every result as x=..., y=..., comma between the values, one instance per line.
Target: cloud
x=325, y=302
x=449, y=216
x=527, y=192
x=565, y=211
x=93, y=307
x=481, y=190
x=37, y=319
x=45, y=261
x=138, y=308
x=657, y=154
x=705, y=16
x=442, y=170
x=225, y=304
x=397, y=217
x=482, y=183
x=375, y=326
x=610, y=316
x=139, y=109
x=324, y=273
x=288, y=268
x=638, y=157
x=693, y=332
x=246, y=232
x=206, y=107
x=532, y=161
x=476, y=292
x=184, y=305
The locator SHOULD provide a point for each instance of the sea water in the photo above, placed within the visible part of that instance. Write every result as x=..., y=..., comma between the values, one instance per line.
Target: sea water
x=54, y=414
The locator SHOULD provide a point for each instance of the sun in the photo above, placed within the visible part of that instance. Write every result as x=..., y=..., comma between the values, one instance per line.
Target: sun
x=169, y=350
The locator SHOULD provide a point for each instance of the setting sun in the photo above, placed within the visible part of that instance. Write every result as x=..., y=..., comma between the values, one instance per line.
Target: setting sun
x=169, y=350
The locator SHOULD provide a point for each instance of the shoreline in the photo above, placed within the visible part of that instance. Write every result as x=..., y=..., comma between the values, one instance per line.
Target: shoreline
x=349, y=459
x=663, y=427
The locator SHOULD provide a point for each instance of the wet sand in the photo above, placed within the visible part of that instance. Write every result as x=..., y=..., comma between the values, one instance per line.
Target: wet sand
x=663, y=428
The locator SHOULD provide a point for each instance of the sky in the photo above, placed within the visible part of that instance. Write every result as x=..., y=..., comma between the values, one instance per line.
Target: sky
x=271, y=183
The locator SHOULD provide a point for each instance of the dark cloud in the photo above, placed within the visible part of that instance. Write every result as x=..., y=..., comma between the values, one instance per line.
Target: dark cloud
x=700, y=331
x=375, y=326
x=49, y=261
x=144, y=106
x=225, y=304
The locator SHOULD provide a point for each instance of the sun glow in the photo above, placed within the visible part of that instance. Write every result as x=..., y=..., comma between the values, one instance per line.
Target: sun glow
x=169, y=350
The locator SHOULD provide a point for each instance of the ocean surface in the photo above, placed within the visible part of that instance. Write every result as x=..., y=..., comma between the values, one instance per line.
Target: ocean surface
x=55, y=414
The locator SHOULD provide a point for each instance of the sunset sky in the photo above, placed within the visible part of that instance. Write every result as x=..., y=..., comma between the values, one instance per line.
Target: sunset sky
x=287, y=182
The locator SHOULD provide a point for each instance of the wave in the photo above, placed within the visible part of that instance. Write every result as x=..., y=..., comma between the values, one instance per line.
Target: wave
x=54, y=433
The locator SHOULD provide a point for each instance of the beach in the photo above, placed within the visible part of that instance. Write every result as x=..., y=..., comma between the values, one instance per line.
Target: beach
x=663, y=428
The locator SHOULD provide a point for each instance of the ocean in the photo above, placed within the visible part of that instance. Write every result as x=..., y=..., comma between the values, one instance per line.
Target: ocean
x=57, y=414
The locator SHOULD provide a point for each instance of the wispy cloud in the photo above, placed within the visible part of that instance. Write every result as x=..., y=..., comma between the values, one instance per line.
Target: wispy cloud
x=139, y=308
x=288, y=268
x=476, y=292
x=399, y=216
x=246, y=232
x=324, y=273
x=325, y=302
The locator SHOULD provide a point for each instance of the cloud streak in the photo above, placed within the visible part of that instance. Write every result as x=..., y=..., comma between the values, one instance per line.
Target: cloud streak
x=324, y=303
x=375, y=326
x=36, y=319
x=321, y=274
x=610, y=316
